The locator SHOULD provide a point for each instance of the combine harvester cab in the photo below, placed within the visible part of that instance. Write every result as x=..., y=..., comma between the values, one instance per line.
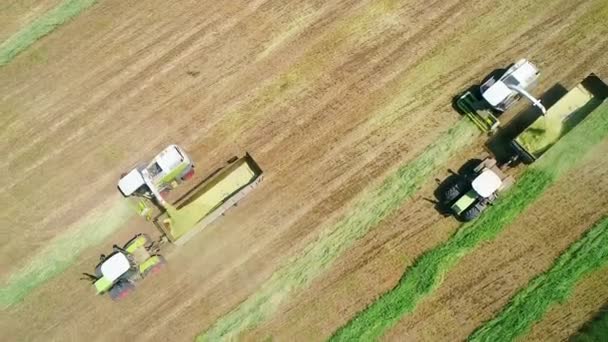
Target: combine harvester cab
x=209, y=200
x=564, y=115
x=496, y=95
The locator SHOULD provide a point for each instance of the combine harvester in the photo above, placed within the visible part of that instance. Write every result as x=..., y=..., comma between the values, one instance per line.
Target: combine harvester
x=497, y=95
x=148, y=185
x=473, y=191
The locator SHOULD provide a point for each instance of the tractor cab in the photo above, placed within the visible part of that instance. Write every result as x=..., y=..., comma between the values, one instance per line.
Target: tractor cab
x=117, y=273
x=111, y=269
x=487, y=183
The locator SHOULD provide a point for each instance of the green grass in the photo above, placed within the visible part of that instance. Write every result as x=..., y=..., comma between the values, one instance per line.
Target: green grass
x=40, y=27
x=595, y=330
x=366, y=213
x=553, y=286
x=64, y=250
x=427, y=272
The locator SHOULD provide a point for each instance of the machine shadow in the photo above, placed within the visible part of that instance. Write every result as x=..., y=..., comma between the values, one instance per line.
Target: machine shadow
x=499, y=144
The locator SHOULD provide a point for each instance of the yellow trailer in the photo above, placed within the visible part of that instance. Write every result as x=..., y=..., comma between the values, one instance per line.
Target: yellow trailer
x=564, y=115
x=209, y=200
x=201, y=205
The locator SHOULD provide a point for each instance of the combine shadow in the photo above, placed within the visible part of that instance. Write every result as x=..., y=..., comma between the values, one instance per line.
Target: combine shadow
x=500, y=143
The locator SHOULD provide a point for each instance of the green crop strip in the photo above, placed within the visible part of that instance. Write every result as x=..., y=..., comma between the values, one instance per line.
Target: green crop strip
x=594, y=330
x=62, y=251
x=42, y=26
x=553, y=286
x=427, y=271
x=366, y=214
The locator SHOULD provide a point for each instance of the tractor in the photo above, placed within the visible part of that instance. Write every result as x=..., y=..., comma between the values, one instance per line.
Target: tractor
x=117, y=273
x=474, y=190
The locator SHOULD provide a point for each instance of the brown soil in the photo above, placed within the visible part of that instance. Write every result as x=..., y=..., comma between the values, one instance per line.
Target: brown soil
x=328, y=96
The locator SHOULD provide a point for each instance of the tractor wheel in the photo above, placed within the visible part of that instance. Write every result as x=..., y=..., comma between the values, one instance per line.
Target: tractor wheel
x=454, y=191
x=121, y=290
x=472, y=212
x=145, y=236
x=156, y=268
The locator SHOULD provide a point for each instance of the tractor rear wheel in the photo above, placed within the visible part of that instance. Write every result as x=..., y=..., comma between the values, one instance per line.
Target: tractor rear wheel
x=121, y=290
x=455, y=191
x=472, y=212
x=157, y=267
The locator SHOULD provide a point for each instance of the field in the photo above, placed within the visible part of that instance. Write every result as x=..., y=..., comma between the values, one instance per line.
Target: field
x=347, y=107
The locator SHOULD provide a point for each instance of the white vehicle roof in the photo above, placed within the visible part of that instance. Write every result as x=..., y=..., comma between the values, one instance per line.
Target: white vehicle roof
x=521, y=74
x=131, y=182
x=497, y=93
x=525, y=73
x=486, y=183
x=115, y=266
x=169, y=158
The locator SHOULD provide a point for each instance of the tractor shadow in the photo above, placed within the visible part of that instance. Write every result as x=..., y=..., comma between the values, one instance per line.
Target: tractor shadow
x=454, y=178
x=499, y=144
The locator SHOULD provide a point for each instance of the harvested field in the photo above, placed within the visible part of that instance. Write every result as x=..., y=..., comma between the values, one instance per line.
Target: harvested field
x=335, y=100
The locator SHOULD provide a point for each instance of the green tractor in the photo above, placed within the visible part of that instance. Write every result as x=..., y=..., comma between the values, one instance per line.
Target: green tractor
x=474, y=190
x=117, y=273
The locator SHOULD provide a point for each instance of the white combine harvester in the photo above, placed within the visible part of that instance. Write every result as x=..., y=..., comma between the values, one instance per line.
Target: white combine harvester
x=511, y=86
x=165, y=172
x=498, y=94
